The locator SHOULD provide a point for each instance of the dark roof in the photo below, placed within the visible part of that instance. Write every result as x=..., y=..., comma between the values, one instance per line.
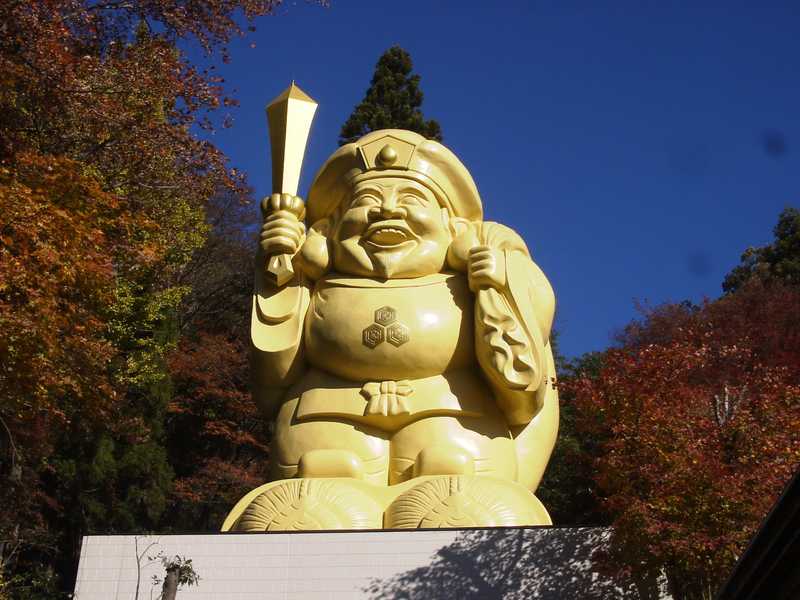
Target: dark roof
x=770, y=566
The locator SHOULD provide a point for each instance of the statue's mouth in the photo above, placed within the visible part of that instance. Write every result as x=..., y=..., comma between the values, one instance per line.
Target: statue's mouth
x=388, y=234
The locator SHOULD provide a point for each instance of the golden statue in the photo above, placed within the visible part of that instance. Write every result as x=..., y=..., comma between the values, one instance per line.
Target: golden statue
x=402, y=345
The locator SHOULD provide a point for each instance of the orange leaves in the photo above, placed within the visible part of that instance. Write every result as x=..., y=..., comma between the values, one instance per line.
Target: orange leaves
x=212, y=410
x=697, y=417
x=217, y=438
x=103, y=193
x=213, y=488
x=54, y=281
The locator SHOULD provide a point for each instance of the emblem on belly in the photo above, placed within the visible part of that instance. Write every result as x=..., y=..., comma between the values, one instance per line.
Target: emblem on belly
x=385, y=328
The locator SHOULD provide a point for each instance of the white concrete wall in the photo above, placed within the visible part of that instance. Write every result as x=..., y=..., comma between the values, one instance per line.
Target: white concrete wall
x=285, y=566
x=507, y=563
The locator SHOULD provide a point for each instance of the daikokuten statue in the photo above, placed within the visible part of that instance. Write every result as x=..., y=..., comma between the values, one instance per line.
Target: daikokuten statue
x=407, y=360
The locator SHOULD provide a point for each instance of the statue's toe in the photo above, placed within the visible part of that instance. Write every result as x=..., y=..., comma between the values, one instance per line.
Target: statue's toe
x=443, y=460
x=330, y=463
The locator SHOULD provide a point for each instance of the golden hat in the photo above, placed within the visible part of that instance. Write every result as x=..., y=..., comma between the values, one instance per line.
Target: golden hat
x=400, y=153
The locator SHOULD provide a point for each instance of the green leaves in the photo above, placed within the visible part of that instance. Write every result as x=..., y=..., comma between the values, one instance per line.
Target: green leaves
x=779, y=261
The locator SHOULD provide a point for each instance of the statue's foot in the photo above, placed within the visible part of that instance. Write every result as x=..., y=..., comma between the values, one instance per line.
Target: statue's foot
x=465, y=501
x=310, y=504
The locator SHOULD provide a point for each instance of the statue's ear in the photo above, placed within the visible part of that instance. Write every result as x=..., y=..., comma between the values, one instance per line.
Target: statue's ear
x=464, y=237
x=458, y=226
x=315, y=254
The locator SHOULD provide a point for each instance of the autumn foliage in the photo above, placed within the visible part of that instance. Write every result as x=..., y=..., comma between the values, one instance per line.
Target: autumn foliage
x=105, y=196
x=697, y=419
x=216, y=434
x=125, y=274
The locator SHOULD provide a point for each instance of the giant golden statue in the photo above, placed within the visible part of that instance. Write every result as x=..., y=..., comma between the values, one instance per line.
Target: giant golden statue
x=404, y=350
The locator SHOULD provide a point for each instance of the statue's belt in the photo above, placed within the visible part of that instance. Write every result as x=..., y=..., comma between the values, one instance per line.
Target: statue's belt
x=392, y=404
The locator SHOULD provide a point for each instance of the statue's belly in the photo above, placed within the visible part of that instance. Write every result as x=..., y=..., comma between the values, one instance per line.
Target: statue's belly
x=370, y=331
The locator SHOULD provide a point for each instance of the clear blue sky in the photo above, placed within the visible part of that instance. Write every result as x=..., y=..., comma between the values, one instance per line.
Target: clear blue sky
x=626, y=141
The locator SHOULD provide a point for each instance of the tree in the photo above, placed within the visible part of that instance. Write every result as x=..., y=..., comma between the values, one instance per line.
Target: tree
x=392, y=101
x=217, y=438
x=568, y=489
x=696, y=418
x=779, y=260
x=60, y=234
x=217, y=441
x=103, y=196
x=179, y=573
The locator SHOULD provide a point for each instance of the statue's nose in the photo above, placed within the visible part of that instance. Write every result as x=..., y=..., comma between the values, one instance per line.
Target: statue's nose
x=390, y=210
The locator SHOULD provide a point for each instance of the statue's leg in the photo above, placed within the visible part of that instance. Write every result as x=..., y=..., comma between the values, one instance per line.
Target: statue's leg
x=466, y=468
x=448, y=445
x=319, y=471
x=327, y=448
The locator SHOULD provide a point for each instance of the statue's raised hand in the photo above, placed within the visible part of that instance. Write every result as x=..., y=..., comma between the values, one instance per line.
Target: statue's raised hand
x=486, y=267
x=283, y=231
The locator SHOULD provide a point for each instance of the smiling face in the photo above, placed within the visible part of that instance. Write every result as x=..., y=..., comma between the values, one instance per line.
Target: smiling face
x=390, y=227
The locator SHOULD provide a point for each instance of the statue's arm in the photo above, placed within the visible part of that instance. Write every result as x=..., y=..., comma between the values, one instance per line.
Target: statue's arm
x=279, y=309
x=276, y=336
x=513, y=320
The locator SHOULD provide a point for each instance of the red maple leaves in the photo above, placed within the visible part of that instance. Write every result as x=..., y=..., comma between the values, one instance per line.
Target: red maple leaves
x=697, y=415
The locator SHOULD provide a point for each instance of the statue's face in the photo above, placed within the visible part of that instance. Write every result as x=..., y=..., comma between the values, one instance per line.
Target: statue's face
x=390, y=227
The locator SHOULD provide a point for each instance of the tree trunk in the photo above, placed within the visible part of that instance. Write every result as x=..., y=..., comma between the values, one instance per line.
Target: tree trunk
x=170, y=588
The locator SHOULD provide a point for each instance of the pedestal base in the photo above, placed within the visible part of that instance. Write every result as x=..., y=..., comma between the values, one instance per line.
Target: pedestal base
x=459, y=564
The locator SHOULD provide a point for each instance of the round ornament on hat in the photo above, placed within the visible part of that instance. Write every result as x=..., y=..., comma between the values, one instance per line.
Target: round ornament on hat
x=387, y=156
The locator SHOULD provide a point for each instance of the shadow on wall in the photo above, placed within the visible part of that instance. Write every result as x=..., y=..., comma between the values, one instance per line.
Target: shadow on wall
x=547, y=563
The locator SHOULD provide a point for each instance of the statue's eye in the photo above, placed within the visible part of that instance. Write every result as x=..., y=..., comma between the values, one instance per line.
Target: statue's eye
x=412, y=200
x=366, y=200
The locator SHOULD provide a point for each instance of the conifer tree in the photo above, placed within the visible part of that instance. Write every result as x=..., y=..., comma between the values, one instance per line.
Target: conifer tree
x=392, y=101
x=778, y=261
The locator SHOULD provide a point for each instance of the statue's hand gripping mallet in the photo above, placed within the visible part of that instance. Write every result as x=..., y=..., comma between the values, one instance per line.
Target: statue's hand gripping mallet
x=283, y=214
x=289, y=117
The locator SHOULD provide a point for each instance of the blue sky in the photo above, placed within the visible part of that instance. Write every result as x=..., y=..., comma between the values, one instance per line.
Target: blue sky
x=625, y=141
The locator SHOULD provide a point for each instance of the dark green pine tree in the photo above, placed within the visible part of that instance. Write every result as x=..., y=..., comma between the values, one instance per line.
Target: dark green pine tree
x=392, y=101
x=779, y=260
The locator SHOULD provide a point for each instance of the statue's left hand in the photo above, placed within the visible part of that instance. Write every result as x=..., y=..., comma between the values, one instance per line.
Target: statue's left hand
x=486, y=268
